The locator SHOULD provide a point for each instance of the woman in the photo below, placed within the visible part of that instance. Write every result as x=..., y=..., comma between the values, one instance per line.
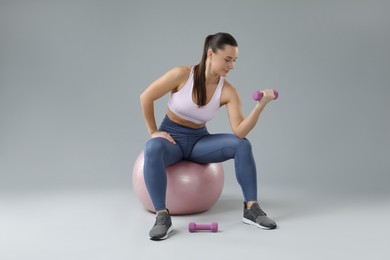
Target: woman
x=197, y=92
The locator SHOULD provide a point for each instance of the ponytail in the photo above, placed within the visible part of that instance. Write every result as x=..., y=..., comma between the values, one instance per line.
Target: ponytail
x=199, y=89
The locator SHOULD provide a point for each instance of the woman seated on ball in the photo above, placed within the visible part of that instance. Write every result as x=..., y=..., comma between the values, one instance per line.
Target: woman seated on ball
x=196, y=94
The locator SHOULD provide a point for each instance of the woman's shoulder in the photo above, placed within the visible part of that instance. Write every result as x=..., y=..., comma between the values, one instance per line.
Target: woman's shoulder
x=180, y=73
x=228, y=87
x=229, y=93
x=181, y=70
x=178, y=76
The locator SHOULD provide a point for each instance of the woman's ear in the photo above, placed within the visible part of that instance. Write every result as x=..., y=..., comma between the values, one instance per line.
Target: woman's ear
x=210, y=53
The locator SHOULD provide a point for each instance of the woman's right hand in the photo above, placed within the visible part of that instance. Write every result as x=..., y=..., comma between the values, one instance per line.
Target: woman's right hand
x=163, y=135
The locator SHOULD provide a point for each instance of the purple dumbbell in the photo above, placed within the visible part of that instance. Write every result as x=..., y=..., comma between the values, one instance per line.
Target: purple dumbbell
x=192, y=227
x=257, y=95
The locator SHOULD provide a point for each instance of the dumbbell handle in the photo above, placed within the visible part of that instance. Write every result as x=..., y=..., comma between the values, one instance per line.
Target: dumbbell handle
x=203, y=226
x=257, y=95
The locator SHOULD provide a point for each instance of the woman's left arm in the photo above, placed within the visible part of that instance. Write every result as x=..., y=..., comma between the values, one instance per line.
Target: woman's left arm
x=241, y=125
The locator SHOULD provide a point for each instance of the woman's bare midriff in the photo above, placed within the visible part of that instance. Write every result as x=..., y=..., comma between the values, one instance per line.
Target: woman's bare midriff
x=178, y=120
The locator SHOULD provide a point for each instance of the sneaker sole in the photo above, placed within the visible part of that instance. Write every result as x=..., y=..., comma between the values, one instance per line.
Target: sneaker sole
x=170, y=229
x=250, y=222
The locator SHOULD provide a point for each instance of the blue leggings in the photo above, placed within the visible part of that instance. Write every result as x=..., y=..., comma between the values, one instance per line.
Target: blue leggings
x=199, y=146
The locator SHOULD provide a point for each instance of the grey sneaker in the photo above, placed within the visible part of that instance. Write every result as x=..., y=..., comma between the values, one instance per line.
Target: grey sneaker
x=162, y=227
x=256, y=216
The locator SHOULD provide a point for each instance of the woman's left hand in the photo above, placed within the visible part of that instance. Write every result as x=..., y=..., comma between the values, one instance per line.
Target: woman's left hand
x=268, y=95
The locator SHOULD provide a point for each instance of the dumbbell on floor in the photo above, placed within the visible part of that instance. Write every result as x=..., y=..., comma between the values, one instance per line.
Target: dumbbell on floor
x=193, y=227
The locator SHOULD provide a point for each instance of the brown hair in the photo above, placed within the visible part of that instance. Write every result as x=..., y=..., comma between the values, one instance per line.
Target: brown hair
x=214, y=42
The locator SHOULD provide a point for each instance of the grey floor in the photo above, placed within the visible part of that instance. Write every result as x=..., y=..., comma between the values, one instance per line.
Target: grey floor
x=112, y=224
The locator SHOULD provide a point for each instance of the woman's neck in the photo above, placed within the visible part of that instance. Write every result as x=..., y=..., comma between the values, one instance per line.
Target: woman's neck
x=211, y=78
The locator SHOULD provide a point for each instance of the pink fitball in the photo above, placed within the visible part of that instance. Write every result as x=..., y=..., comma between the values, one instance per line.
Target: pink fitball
x=191, y=187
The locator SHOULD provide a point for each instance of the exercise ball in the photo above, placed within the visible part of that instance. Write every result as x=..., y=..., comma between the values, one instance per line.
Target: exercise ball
x=191, y=187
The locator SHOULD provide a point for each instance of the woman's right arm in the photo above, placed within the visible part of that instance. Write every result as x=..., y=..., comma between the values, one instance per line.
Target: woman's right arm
x=167, y=83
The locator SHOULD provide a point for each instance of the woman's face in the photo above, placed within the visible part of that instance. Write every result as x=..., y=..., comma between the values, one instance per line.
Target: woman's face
x=222, y=61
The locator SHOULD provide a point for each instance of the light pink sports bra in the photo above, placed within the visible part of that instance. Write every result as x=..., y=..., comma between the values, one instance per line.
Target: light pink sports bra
x=181, y=103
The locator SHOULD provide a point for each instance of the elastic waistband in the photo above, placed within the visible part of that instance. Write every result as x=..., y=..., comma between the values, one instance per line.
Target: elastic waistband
x=171, y=127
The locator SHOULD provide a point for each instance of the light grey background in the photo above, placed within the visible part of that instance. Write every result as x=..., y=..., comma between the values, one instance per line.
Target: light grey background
x=71, y=73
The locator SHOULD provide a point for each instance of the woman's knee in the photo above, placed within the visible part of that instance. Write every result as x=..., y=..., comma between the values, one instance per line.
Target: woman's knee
x=154, y=146
x=245, y=144
x=236, y=145
x=240, y=143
